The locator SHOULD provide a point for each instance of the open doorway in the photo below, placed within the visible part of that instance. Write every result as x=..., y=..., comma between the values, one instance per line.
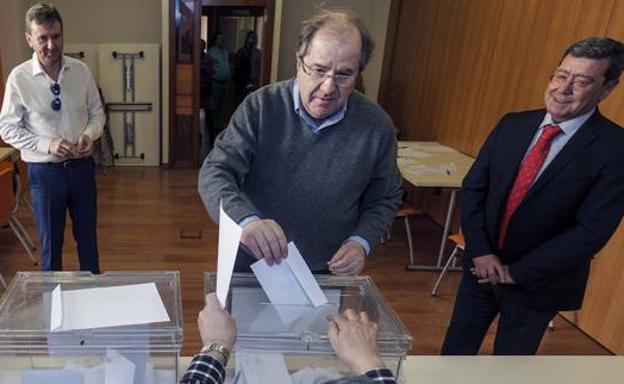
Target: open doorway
x=232, y=62
x=230, y=25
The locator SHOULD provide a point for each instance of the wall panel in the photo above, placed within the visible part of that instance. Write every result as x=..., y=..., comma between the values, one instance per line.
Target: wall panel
x=602, y=315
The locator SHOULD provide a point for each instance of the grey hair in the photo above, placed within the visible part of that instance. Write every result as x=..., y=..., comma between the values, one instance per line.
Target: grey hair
x=42, y=14
x=600, y=48
x=324, y=18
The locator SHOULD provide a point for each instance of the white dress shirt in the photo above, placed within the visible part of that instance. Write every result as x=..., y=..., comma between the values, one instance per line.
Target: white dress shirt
x=27, y=120
x=568, y=128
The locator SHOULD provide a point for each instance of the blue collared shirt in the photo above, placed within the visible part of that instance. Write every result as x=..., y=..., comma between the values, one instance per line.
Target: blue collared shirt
x=310, y=122
x=569, y=128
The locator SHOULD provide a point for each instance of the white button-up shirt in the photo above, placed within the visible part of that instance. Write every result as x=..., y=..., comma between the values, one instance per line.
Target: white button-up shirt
x=27, y=120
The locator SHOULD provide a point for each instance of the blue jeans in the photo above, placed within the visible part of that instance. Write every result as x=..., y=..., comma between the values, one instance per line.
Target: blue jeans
x=56, y=188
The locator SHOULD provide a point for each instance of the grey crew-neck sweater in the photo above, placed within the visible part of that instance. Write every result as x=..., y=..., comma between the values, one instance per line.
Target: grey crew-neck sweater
x=321, y=188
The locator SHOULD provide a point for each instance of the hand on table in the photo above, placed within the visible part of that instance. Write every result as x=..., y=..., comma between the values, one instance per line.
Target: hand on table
x=265, y=239
x=354, y=338
x=348, y=260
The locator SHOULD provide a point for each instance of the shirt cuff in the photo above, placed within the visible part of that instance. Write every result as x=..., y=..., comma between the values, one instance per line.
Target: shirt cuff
x=43, y=145
x=248, y=220
x=362, y=242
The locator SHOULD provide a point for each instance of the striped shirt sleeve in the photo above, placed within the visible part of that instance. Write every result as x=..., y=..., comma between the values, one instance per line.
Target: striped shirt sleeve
x=380, y=376
x=204, y=369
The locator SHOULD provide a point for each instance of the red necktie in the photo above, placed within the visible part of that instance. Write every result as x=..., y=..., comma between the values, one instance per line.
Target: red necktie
x=528, y=170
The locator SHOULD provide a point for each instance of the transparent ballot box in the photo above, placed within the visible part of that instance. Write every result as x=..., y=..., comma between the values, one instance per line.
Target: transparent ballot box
x=75, y=328
x=299, y=333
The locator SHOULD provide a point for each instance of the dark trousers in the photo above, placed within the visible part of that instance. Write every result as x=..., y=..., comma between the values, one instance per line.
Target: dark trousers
x=520, y=329
x=57, y=188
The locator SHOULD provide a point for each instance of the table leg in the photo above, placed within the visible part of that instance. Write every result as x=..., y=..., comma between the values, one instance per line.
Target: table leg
x=439, y=265
x=447, y=226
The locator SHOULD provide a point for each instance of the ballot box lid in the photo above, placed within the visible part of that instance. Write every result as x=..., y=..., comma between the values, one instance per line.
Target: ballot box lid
x=299, y=329
x=79, y=298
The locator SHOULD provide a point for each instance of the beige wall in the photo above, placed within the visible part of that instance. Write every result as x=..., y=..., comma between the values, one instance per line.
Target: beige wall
x=14, y=48
x=374, y=14
x=111, y=21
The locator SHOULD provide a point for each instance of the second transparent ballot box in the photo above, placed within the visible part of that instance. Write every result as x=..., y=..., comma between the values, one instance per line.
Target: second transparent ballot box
x=75, y=327
x=300, y=332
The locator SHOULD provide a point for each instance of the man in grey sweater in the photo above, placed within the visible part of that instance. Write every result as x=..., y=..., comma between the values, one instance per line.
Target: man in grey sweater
x=308, y=159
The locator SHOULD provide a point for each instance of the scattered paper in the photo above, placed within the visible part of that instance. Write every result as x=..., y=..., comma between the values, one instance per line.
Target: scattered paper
x=414, y=167
x=413, y=153
x=310, y=375
x=262, y=368
x=290, y=282
x=93, y=375
x=432, y=148
x=229, y=240
x=51, y=376
x=106, y=307
x=118, y=369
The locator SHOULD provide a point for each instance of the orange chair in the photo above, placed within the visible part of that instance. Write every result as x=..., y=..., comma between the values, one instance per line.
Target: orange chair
x=460, y=245
x=405, y=211
x=8, y=207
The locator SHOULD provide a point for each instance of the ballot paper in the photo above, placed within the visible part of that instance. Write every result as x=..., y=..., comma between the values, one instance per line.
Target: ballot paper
x=290, y=282
x=255, y=314
x=93, y=375
x=261, y=368
x=51, y=376
x=229, y=240
x=118, y=369
x=106, y=307
x=310, y=375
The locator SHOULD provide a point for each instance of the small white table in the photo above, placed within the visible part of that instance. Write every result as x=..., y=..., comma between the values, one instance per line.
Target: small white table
x=428, y=164
x=514, y=369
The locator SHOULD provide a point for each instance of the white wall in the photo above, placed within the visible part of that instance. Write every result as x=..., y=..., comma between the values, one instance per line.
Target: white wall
x=12, y=41
x=110, y=21
x=374, y=14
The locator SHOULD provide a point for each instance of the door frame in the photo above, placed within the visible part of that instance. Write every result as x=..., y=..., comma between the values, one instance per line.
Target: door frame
x=267, y=52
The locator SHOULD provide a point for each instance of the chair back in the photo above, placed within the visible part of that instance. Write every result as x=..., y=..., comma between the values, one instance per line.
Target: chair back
x=7, y=195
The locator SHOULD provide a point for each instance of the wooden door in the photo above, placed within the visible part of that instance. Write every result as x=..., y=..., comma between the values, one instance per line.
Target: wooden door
x=184, y=71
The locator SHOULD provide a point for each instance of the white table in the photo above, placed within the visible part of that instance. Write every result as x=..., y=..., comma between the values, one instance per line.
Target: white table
x=506, y=369
x=514, y=370
x=428, y=164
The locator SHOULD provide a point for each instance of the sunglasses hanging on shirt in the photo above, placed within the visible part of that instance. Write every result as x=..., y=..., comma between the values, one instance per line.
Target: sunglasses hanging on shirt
x=56, y=91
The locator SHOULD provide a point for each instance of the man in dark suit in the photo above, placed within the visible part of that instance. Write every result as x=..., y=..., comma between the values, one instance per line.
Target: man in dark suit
x=543, y=197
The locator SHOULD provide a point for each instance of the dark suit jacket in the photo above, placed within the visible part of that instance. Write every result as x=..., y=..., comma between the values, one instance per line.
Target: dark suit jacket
x=566, y=218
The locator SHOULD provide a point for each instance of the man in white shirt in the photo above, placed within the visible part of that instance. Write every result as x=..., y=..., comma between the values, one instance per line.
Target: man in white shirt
x=52, y=113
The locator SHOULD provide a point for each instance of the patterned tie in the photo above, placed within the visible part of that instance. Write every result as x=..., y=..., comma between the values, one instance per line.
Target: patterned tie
x=528, y=170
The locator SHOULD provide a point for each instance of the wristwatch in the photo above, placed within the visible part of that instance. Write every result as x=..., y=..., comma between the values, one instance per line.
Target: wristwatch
x=219, y=348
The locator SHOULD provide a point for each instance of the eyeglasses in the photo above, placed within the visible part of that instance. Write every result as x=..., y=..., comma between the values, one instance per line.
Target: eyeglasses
x=56, y=91
x=579, y=82
x=321, y=74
